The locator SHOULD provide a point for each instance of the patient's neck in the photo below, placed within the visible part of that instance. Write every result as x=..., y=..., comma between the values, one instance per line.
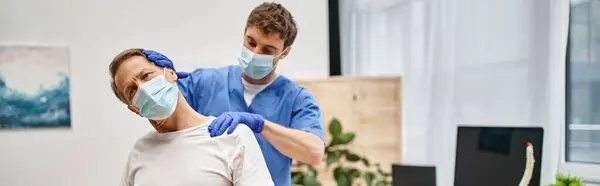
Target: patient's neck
x=183, y=117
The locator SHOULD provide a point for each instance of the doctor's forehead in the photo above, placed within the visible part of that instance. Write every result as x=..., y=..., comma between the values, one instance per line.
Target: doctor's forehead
x=260, y=36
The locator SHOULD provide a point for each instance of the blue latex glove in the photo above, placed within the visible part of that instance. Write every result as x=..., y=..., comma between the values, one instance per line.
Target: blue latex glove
x=232, y=119
x=162, y=61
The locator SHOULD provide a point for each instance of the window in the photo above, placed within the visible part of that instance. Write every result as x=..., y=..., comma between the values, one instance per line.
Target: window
x=582, y=145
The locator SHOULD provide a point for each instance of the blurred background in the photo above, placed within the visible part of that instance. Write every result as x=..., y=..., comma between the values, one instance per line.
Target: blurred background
x=443, y=64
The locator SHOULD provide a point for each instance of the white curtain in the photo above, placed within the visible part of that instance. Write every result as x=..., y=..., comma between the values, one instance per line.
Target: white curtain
x=463, y=62
x=380, y=37
x=556, y=86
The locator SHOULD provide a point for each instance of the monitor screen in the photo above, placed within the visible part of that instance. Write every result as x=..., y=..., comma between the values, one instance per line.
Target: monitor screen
x=495, y=156
x=408, y=175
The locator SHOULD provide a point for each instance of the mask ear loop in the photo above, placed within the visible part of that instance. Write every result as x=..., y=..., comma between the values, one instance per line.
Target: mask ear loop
x=279, y=55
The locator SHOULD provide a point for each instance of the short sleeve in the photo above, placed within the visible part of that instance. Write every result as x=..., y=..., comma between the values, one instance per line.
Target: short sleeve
x=126, y=177
x=249, y=166
x=188, y=86
x=306, y=114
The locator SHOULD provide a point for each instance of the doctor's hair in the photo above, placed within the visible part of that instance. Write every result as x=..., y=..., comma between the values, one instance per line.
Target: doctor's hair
x=273, y=18
x=116, y=63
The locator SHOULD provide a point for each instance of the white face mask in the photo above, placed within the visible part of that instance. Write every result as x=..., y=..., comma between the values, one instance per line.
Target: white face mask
x=157, y=98
x=256, y=66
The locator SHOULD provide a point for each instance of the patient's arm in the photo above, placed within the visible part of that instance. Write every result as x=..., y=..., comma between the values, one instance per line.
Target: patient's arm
x=249, y=167
x=126, y=177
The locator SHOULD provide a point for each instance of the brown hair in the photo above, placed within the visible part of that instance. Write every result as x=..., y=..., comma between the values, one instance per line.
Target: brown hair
x=273, y=18
x=116, y=63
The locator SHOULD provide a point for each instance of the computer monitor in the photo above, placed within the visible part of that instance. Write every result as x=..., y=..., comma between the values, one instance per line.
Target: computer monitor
x=409, y=175
x=495, y=156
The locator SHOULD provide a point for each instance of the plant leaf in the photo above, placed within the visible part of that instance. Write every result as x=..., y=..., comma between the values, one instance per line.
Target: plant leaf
x=346, y=138
x=311, y=181
x=340, y=177
x=337, y=171
x=369, y=176
x=312, y=172
x=335, y=127
x=297, y=178
x=384, y=174
x=315, y=183
x=380, y=183
x=336, y=140
x=564, y=180
x=380, y=171
x=354, y=173
x=352, y=157
x=366, y=162
x=333, y=157
x=311, y=177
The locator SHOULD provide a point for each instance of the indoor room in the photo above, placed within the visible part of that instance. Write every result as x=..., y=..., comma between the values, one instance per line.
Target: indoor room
x=303, y=93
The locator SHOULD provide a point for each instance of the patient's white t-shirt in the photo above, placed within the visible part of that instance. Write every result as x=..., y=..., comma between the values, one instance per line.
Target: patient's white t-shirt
x=191, y=157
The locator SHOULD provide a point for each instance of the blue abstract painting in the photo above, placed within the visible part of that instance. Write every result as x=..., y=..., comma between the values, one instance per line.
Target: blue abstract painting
x=34, y=87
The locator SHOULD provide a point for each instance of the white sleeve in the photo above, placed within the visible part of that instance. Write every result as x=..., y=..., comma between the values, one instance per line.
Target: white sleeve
x=249, y=167
x=126, y=177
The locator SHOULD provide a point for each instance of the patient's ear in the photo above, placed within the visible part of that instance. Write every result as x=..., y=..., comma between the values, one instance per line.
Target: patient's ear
x=134, y=109
x=171, y=75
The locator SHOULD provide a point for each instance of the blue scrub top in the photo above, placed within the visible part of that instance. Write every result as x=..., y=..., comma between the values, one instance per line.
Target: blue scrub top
x=214, y=91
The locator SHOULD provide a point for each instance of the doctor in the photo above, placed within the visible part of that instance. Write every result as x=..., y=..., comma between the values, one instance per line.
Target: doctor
x=285, y=117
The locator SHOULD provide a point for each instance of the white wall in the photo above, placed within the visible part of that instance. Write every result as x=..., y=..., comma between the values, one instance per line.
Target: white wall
x=193, y=33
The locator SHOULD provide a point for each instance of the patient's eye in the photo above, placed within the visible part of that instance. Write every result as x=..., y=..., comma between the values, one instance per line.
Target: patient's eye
x=146, y=75
x=131, y=93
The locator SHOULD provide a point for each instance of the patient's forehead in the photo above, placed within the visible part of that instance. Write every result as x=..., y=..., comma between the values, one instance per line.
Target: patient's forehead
x=131, y=68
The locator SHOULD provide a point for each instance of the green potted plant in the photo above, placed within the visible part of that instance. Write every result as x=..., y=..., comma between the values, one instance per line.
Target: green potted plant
x=343, y=162
x=568, y=180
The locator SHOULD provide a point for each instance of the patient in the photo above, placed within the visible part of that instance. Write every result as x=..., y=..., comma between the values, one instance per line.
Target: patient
x=180, y=152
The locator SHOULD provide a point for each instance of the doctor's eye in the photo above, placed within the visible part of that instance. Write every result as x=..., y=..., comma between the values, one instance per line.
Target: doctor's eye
x=252, y=45
x=251, y=42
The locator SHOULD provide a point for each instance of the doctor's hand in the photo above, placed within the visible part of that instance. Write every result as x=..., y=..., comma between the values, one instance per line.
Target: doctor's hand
x=163, y=61
x=232, y=119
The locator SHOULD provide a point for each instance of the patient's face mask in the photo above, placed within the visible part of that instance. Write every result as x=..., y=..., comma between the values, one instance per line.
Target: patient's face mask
x=157, y=98
x=256, y=66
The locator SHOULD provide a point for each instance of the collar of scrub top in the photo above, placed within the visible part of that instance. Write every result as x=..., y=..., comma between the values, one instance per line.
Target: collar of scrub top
x=273, y=90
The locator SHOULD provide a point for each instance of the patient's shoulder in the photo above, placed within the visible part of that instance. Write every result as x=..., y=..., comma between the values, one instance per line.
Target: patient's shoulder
x=142, y=144
x=145, y=141
x=244, y=131
x=244, y=135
